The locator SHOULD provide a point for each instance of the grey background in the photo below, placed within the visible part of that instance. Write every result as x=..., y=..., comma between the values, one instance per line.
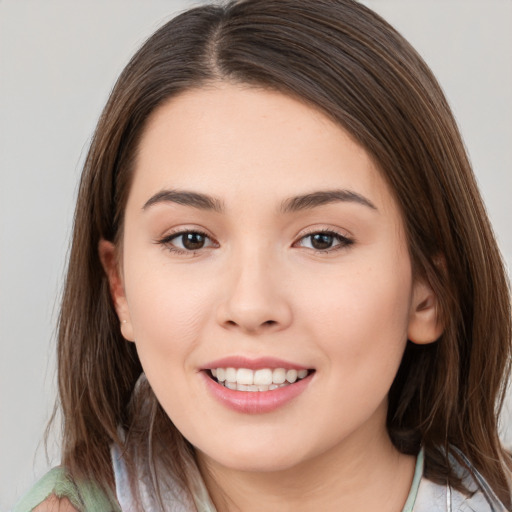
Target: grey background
x=58, y=62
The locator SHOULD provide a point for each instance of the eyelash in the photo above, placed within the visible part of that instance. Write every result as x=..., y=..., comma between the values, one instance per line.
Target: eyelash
x=167, y=241
x=344, y=241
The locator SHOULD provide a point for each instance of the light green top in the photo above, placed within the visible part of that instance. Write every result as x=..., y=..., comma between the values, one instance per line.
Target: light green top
x=418, y=474
x=85, y=496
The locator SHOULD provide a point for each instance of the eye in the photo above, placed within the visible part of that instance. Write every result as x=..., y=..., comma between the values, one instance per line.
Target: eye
x=324, y=241
x=187, y=241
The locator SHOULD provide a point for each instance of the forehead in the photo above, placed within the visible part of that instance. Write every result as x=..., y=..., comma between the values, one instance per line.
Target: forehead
x=236, y=141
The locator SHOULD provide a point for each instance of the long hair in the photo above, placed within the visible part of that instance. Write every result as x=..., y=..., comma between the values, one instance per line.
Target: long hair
x=347, y=62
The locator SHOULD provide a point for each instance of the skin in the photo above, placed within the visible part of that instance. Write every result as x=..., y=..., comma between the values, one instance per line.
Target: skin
x=54, y=504
x=258, y=287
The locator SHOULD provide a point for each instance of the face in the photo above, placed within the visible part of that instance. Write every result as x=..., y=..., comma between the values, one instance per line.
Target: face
x=262, y=248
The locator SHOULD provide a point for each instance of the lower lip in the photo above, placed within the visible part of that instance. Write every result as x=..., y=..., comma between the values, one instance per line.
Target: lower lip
x=255, y=402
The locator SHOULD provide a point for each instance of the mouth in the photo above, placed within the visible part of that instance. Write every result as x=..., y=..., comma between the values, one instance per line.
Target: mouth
x=259, y=380
x=256, y=386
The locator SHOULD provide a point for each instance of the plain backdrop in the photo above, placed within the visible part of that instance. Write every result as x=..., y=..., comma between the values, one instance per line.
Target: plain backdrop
x=58, y=62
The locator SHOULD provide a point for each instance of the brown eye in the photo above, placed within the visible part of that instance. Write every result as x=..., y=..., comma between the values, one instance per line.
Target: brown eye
x=322, y=241
x=193, y=241
x=325, y=241
x=187, y=242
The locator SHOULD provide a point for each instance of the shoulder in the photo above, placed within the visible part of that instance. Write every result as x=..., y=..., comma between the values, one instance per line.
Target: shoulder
x=434, y=497
x=57, y=491
x=54, y=504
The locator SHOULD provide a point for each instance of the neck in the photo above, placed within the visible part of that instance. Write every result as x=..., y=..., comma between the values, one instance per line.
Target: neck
x=359, y=475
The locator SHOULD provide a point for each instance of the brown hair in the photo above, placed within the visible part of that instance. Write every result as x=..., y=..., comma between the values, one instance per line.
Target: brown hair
x=342, y=58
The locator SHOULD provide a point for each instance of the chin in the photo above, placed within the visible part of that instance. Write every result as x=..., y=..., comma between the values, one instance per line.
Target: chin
x=257, y=459
x=263, y=465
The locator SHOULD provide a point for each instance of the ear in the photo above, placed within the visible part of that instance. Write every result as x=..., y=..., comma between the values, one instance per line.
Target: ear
x=110, y=262
x=424, y=323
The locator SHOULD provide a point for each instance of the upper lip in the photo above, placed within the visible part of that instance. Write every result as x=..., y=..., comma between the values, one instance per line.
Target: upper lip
x=253, y=364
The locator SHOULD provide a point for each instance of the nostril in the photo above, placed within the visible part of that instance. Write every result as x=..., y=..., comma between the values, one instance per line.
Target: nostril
x=267, y=323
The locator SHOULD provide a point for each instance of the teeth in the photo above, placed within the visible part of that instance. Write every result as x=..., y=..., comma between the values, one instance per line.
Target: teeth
x=279, y=376
x=231, y=374
x=291, y=376
x=245, y=376
x=264, y=379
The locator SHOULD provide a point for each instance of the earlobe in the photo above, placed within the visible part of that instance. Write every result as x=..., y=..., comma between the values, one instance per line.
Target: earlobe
x=425, y=325
x=108, y=257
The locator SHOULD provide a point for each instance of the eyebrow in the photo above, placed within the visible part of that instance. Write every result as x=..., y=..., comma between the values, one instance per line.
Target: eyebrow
x=292, y=204
x=323, y=197
x=186, y=198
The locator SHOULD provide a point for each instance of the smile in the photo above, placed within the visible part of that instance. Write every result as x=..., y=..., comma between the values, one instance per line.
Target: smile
x=255, y=386
x=264, y=379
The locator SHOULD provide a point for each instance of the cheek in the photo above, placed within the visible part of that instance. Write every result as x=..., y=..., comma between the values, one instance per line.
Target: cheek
x=360, y=327
x=167, y=310
x=360, y=318
x=167, y=320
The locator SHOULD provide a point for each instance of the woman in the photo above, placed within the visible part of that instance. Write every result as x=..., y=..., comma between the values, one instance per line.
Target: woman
x=283, y=289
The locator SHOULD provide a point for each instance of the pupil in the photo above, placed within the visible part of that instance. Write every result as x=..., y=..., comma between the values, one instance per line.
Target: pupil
x=193, y=241
x=321, y=241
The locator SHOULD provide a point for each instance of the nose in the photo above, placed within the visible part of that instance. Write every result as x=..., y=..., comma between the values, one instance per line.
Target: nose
x=255, y=298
